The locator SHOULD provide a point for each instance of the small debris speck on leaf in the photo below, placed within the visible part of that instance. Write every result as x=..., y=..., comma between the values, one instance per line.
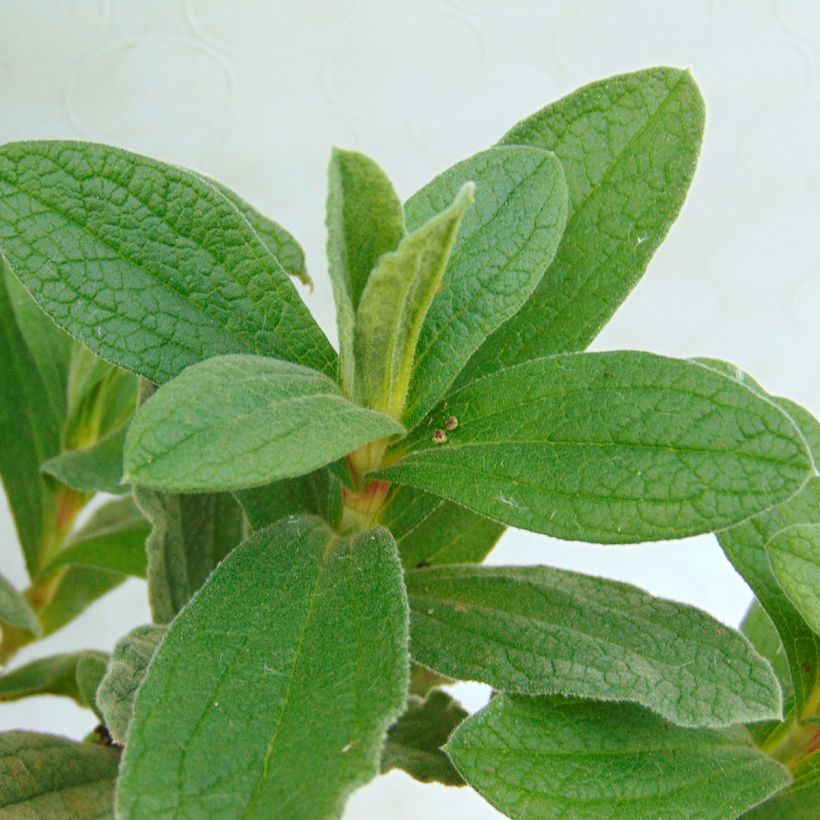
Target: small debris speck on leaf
x=451, y=423
x=439, y=436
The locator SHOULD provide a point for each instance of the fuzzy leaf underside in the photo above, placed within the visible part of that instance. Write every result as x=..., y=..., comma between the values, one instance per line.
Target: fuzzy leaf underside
x=43, y=776
x=547, y=757
x=147, y=264
x=628, y=146
x=305, y=617
x=234, y=422
x=504, y=246
x=539, y=631
x=615, y=447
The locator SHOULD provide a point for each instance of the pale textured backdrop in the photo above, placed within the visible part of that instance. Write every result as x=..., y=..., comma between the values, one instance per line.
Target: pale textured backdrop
x=255, y=93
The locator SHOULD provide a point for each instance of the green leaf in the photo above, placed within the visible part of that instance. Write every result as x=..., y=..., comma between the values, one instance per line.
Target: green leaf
x=15, y=610
x=797, y=802
x=95, y=469
x=608, y=447
x=126, y=670
x=318, y=493
x=154, y=269
x=414, y=742
x=90, y=671
x=293, y=661
x=759, y=628
x=113, y=539
x=794, y=554
x=69, y=675
x=242, y=421
x=279, y=241
x=394, y=304
x=43, y=776
x=745, y=547
x=364, y=221
x=430, y=530
x=77, y=587
x=548, y=757
x=504, y=246
x=542, y=631
x=30, y=432
x=190, y=535
x=628, y=146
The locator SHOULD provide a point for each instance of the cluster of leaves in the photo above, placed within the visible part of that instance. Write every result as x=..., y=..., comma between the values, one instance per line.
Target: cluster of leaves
x=312, y=526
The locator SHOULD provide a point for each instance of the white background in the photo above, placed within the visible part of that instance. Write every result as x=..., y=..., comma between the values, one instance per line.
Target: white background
x=255, y=93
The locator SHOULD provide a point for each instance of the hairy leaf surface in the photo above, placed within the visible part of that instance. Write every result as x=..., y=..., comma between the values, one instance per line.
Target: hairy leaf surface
x=609, y=447
x=797, y=802
x=794, y=554
x=546, y=757
x=43, y=776
x=504, y=246
x=15, y=610
x=539, y=631
x=628, y=146
x=394, y=304
x=147, y=264
x=242, y=421
x=304, y=617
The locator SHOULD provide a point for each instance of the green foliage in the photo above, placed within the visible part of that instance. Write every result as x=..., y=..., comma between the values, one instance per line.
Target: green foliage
x=42, y=776
x=277, y=617
x=242, y=421
x=311, y=526
x=561, y=758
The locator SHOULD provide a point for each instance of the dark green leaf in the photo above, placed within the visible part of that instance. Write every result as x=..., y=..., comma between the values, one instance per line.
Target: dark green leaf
x=364, y=221
x=430, y=530
x=545, y=757
x=539, y=631
x=504, y=246
x=53, y=778
x=70, y=675
x=113, y=539
x=190, y=535
x=126, y=670
x=744, y=545
x=147, y=264
x=97, y=468
x=759, y=628
x=15, y=610
x=414, y=742
x=609, y=447
x=628, y=146
x=242, y=421
x=799, y=801
x=293, y=663
x=394, y=304
x=30, y=432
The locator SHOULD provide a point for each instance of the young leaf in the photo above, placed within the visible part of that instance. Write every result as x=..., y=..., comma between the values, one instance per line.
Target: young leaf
x=414, y=741
x=364, y=221
x=89, y=673
x=190, y=535
x=113, y=539
x=745, y=547
x=297, y=647
x=30, y=432
x=394, y=304
x=279, y=242
x=126, y=670
x=609, y=447
x=540, y=631
x=15, y=610
x=546, y=757
x=43, y=776
x=759, y=628
x=504, y=246
x=794, y=554
x=242, y=421
x=94, y=469
x=799, y=801
x=154, y=269
x=628, y=146
x=67, y=675
x=430, y=530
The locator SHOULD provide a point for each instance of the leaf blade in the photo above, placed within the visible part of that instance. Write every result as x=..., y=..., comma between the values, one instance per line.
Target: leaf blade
x=15, y=609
